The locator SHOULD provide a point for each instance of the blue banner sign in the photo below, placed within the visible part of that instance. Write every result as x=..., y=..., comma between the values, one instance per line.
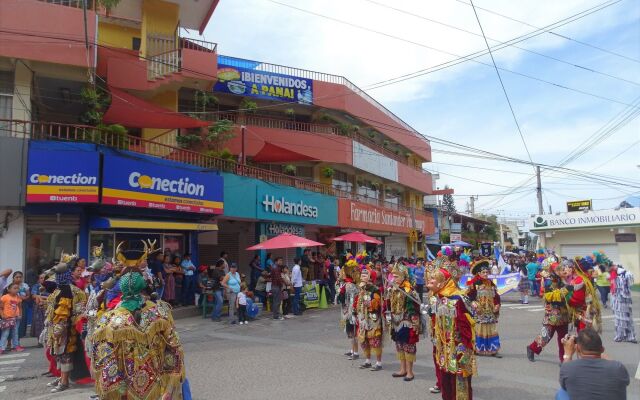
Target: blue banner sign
x=263, y=85
x=62, y=176
x=505, y=283
x=135, y=182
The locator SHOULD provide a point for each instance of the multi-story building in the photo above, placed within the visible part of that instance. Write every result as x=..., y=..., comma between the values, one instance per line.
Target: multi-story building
x=117, y=127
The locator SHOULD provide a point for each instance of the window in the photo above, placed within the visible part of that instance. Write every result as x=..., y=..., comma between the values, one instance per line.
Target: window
x=341, y=181
x=135, y=43
x=304, y=172
x=6, y=99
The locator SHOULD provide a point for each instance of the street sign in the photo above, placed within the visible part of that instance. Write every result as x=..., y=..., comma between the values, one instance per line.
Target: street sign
x=580, y=205
x=455, y=237
x=413, y=235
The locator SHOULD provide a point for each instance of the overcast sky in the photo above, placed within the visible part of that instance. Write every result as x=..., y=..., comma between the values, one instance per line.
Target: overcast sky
x=465, y=103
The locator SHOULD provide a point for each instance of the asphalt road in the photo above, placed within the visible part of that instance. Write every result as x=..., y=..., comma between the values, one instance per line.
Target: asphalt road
x=302, y=358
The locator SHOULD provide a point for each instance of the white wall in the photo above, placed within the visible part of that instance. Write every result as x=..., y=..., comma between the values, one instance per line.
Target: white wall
x=12, y=241
x=367, y=159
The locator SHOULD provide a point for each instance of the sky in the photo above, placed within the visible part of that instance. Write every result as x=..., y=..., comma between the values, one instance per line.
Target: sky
x=369, y=41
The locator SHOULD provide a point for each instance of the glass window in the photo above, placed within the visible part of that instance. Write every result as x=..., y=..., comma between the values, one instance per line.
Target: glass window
x=105, y=239
x=6, y=99
x=44, y=249
x=132, y=246
x=173, y=244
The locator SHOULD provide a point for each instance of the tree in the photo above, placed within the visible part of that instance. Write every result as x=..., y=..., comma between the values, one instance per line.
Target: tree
x=448, y=203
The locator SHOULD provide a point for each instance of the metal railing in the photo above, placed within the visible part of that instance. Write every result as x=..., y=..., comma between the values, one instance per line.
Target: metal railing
x=318, y=76
x=90, y=134
x=197, y=44
x=71, y=3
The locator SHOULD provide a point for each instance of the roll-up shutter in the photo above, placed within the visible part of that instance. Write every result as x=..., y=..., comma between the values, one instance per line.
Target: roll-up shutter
x=395, y=246
x=53, y=223
x=582, y=250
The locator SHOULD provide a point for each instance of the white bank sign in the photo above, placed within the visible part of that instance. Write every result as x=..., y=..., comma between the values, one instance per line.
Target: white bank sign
x=590, y=219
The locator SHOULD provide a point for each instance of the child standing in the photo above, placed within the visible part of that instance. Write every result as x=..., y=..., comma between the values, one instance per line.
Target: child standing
x=241, y=303
x=524, y=286
x=10, y=315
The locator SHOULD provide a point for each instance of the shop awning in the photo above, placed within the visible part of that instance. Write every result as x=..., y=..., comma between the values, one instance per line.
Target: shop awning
x=112, y=223
x=133, y=112
x=272, y=153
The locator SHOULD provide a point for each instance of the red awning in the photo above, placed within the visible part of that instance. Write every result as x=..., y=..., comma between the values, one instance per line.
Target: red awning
x=133, y=112
x=272, y=153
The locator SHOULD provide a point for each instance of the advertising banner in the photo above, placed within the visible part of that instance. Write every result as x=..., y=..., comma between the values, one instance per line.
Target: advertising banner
x=272, y=229
x=585, y=219
x=505, y=283
x=263, y=85
x=135, y=182
x=357, y=215
x=311, y=295
x=62, y=176
x=580, y=205
x=294, y=205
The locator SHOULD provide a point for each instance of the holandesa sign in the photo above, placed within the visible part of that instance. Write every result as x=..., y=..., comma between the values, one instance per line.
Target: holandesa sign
x=589, y=219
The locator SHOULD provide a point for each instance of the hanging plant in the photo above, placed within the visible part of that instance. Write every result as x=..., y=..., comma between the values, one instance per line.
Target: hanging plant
x=248, y=106
x=290, y=112
x=372, y=134
x=397, y=152
x=289, y=169
x=408, y=154
x=385, y=143
x=328, y=172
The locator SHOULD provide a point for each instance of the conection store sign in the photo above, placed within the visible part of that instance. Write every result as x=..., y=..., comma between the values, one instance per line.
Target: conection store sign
x=353, y=214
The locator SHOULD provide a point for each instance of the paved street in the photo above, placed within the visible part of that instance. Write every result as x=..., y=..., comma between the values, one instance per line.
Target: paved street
x=301, y=358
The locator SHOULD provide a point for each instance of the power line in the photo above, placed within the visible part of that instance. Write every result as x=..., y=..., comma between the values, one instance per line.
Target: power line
x=554, y=33
x=589, y=69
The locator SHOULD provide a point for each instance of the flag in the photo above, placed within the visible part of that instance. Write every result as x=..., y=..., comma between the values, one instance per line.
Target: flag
x=430, y=256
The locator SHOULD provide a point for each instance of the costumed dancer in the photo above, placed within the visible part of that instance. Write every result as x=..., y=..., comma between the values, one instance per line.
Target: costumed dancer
x=621, y=306
x=581, y=299
x=135, y=346
x=485, y=302
x=368, y=308
x=430, y=269
x=403, y=316
x=556, y=316
x=453, y=334
x=64, y=307
x=349, y=278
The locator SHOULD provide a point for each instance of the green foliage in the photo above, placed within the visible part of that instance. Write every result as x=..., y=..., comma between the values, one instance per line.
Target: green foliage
x=290, y=112
x=445, y=238
x=448, y=203
x=372, y=134
x=189, y=140
x=219, y=133
x=248, y=106
x=203, y=99
x=96, y=101
x=289, y=169
x=224, y=154
x=108, y=4
x=328, y=172
x=385, y=143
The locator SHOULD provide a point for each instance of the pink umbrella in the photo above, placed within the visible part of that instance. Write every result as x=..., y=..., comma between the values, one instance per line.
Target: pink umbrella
x=357, y=237
x=285, y=241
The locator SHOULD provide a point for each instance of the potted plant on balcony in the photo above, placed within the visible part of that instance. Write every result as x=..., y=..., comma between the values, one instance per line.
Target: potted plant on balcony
x=97, y=100
x=385, y=144
x=290, y=113
x=289, y=169
x=248, y=106
x=108, y=4
x=328, y=172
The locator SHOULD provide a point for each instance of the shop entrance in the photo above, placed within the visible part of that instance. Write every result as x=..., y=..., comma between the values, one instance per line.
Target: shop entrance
x=169, y=243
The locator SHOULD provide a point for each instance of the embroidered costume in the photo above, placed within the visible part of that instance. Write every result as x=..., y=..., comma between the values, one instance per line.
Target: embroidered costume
x=485, y=299
x=453, y=337
x=556, y=315
x=403, y=314
x=368, y=309
x=349, y=278
x=582, y=301
x=625, y=331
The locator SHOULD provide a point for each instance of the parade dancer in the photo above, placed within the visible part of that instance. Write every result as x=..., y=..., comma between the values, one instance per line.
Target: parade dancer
x=368, y=308
x=430, y=269
x=135, y=346
x=556, y=316
x=625, y=332
x=349, y=278
x=403, y=316
x=581, y=299
x=453, y=335
x=64, y=307
x=485, y=301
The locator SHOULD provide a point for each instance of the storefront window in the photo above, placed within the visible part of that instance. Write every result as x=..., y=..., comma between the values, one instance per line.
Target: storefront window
x=105, y=239
x=173, y=244
x=44, y=249
x=132, y=245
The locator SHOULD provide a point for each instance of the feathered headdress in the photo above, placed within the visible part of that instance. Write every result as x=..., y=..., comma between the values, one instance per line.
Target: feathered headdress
x=465, y=259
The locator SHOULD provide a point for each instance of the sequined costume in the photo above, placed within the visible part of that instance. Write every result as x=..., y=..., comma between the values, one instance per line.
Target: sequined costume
x=556, y=316
x=136, y=351
x=64, y=307
x=368, y=307
x=403, y=314
x=454, y=339
x=484, y=296
x=581, y=299
x=621, y=306
x=348, y=279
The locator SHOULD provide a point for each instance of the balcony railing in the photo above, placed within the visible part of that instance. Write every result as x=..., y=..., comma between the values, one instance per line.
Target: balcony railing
x=318, y=76
x=71, y=3
x=197, y=44
x=165, y=53
x=90, y=134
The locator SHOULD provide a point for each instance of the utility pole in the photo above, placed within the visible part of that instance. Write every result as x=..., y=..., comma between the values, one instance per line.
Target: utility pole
x=539, y=191
x=243, y=157
x=472, y=207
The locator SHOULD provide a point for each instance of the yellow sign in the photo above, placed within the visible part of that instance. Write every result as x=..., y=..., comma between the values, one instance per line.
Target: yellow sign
x=580, y=205
x=413, y=235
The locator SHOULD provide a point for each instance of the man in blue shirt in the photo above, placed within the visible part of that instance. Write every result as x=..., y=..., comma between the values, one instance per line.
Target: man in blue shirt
x=189, y=280
x=532, y=269
x=419, y=275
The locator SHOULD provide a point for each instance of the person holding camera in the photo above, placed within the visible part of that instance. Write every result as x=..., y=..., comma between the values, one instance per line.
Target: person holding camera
x=591, y=376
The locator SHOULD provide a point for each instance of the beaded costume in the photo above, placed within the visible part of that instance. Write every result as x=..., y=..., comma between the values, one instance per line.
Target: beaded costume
x=368, y=309
x=403, y=314
x=483, y=294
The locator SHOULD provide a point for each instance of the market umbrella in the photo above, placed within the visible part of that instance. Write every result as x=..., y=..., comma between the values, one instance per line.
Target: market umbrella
x=460, y=243
x=285, y=241
x=357, y=237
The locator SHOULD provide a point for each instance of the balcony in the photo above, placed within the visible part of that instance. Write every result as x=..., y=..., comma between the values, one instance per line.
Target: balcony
x=47, y=30
x=337, y=92
x=83, y=133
